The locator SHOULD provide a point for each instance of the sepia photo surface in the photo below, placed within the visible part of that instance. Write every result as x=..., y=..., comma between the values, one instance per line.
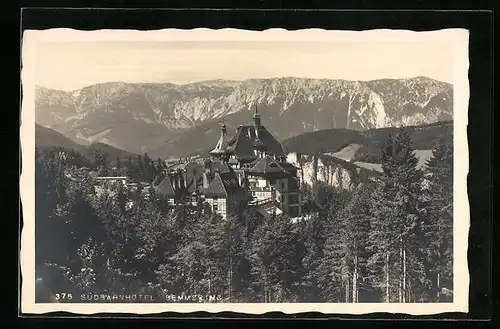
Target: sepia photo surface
x=244, y=171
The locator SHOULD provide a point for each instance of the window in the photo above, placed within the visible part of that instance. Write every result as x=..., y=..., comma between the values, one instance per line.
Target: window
x=282, y=186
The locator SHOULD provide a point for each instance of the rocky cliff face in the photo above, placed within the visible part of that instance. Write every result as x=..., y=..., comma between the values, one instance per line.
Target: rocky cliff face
x=142, y=117
x=329, y=170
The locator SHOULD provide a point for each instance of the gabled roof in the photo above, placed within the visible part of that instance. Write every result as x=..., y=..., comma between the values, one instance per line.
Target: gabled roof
x=194, y=176
x=224, y=184
x=165, y=188
x=268, y=165
x=194, y=182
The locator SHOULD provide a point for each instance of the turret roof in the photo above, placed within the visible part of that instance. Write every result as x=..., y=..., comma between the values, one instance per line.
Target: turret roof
x=222, y=143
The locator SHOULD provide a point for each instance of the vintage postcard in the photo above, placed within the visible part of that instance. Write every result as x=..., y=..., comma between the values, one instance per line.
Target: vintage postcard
x=244, y=171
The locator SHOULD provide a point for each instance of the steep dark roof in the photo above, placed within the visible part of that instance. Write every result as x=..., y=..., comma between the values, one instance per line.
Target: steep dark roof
x=270, y=142
x=194, y=173
x=242, y=144
x=165, y=188
x=216, y=188
x=223, y=185
x=193, y=178
x=194, y=182
x=221, y=167
x=258, y=144
x=268, y=165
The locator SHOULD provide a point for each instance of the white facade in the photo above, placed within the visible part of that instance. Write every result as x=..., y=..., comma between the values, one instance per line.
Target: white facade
x=260, y=188
x=218, y=205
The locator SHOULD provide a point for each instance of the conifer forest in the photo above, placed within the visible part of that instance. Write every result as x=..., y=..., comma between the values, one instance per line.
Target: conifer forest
x=388, y=239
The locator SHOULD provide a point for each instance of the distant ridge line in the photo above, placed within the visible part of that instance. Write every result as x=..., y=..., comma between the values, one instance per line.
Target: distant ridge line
x=242, y=81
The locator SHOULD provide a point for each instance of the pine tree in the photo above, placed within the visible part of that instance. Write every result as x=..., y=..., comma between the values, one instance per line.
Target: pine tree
x=330, y=273
x=148, y=168
x=139, y=169
x=50, y=198
x=154, y=232
x=397, y=226
x=130, y=168
x=343, y=267
x=275, y=260
x=315, y=235
x=439, y=230
x=118, y=166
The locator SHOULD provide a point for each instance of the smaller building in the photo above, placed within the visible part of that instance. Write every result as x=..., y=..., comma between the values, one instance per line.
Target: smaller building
x=107, y=180
x=166, y=189
x=222, y=189
x=182, y=182
x=277, y=180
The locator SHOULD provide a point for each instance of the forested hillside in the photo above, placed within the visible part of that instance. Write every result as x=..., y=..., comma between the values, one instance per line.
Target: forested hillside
x=371, y=141
x=46, y=138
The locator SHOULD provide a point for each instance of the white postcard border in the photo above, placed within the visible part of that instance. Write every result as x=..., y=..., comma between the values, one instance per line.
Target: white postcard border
x=459, y=40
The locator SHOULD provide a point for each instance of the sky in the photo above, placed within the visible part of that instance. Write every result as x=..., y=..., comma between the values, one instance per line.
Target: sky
x=70, y=65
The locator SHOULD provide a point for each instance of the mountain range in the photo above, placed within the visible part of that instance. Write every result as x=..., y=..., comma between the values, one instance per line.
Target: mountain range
x=178, y=120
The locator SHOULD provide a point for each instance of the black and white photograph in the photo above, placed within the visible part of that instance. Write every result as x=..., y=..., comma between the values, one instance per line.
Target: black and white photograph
x=247, y=171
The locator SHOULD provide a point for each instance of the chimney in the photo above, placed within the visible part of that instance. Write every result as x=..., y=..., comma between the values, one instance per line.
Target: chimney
x=256, y=117
x=172, y=180
x=208, y=166
x=205, y=180
x=178, y=180
x=185, y=178
x=223, y=127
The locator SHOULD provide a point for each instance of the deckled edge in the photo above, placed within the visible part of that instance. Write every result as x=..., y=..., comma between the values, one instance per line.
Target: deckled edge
x=461, y=204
